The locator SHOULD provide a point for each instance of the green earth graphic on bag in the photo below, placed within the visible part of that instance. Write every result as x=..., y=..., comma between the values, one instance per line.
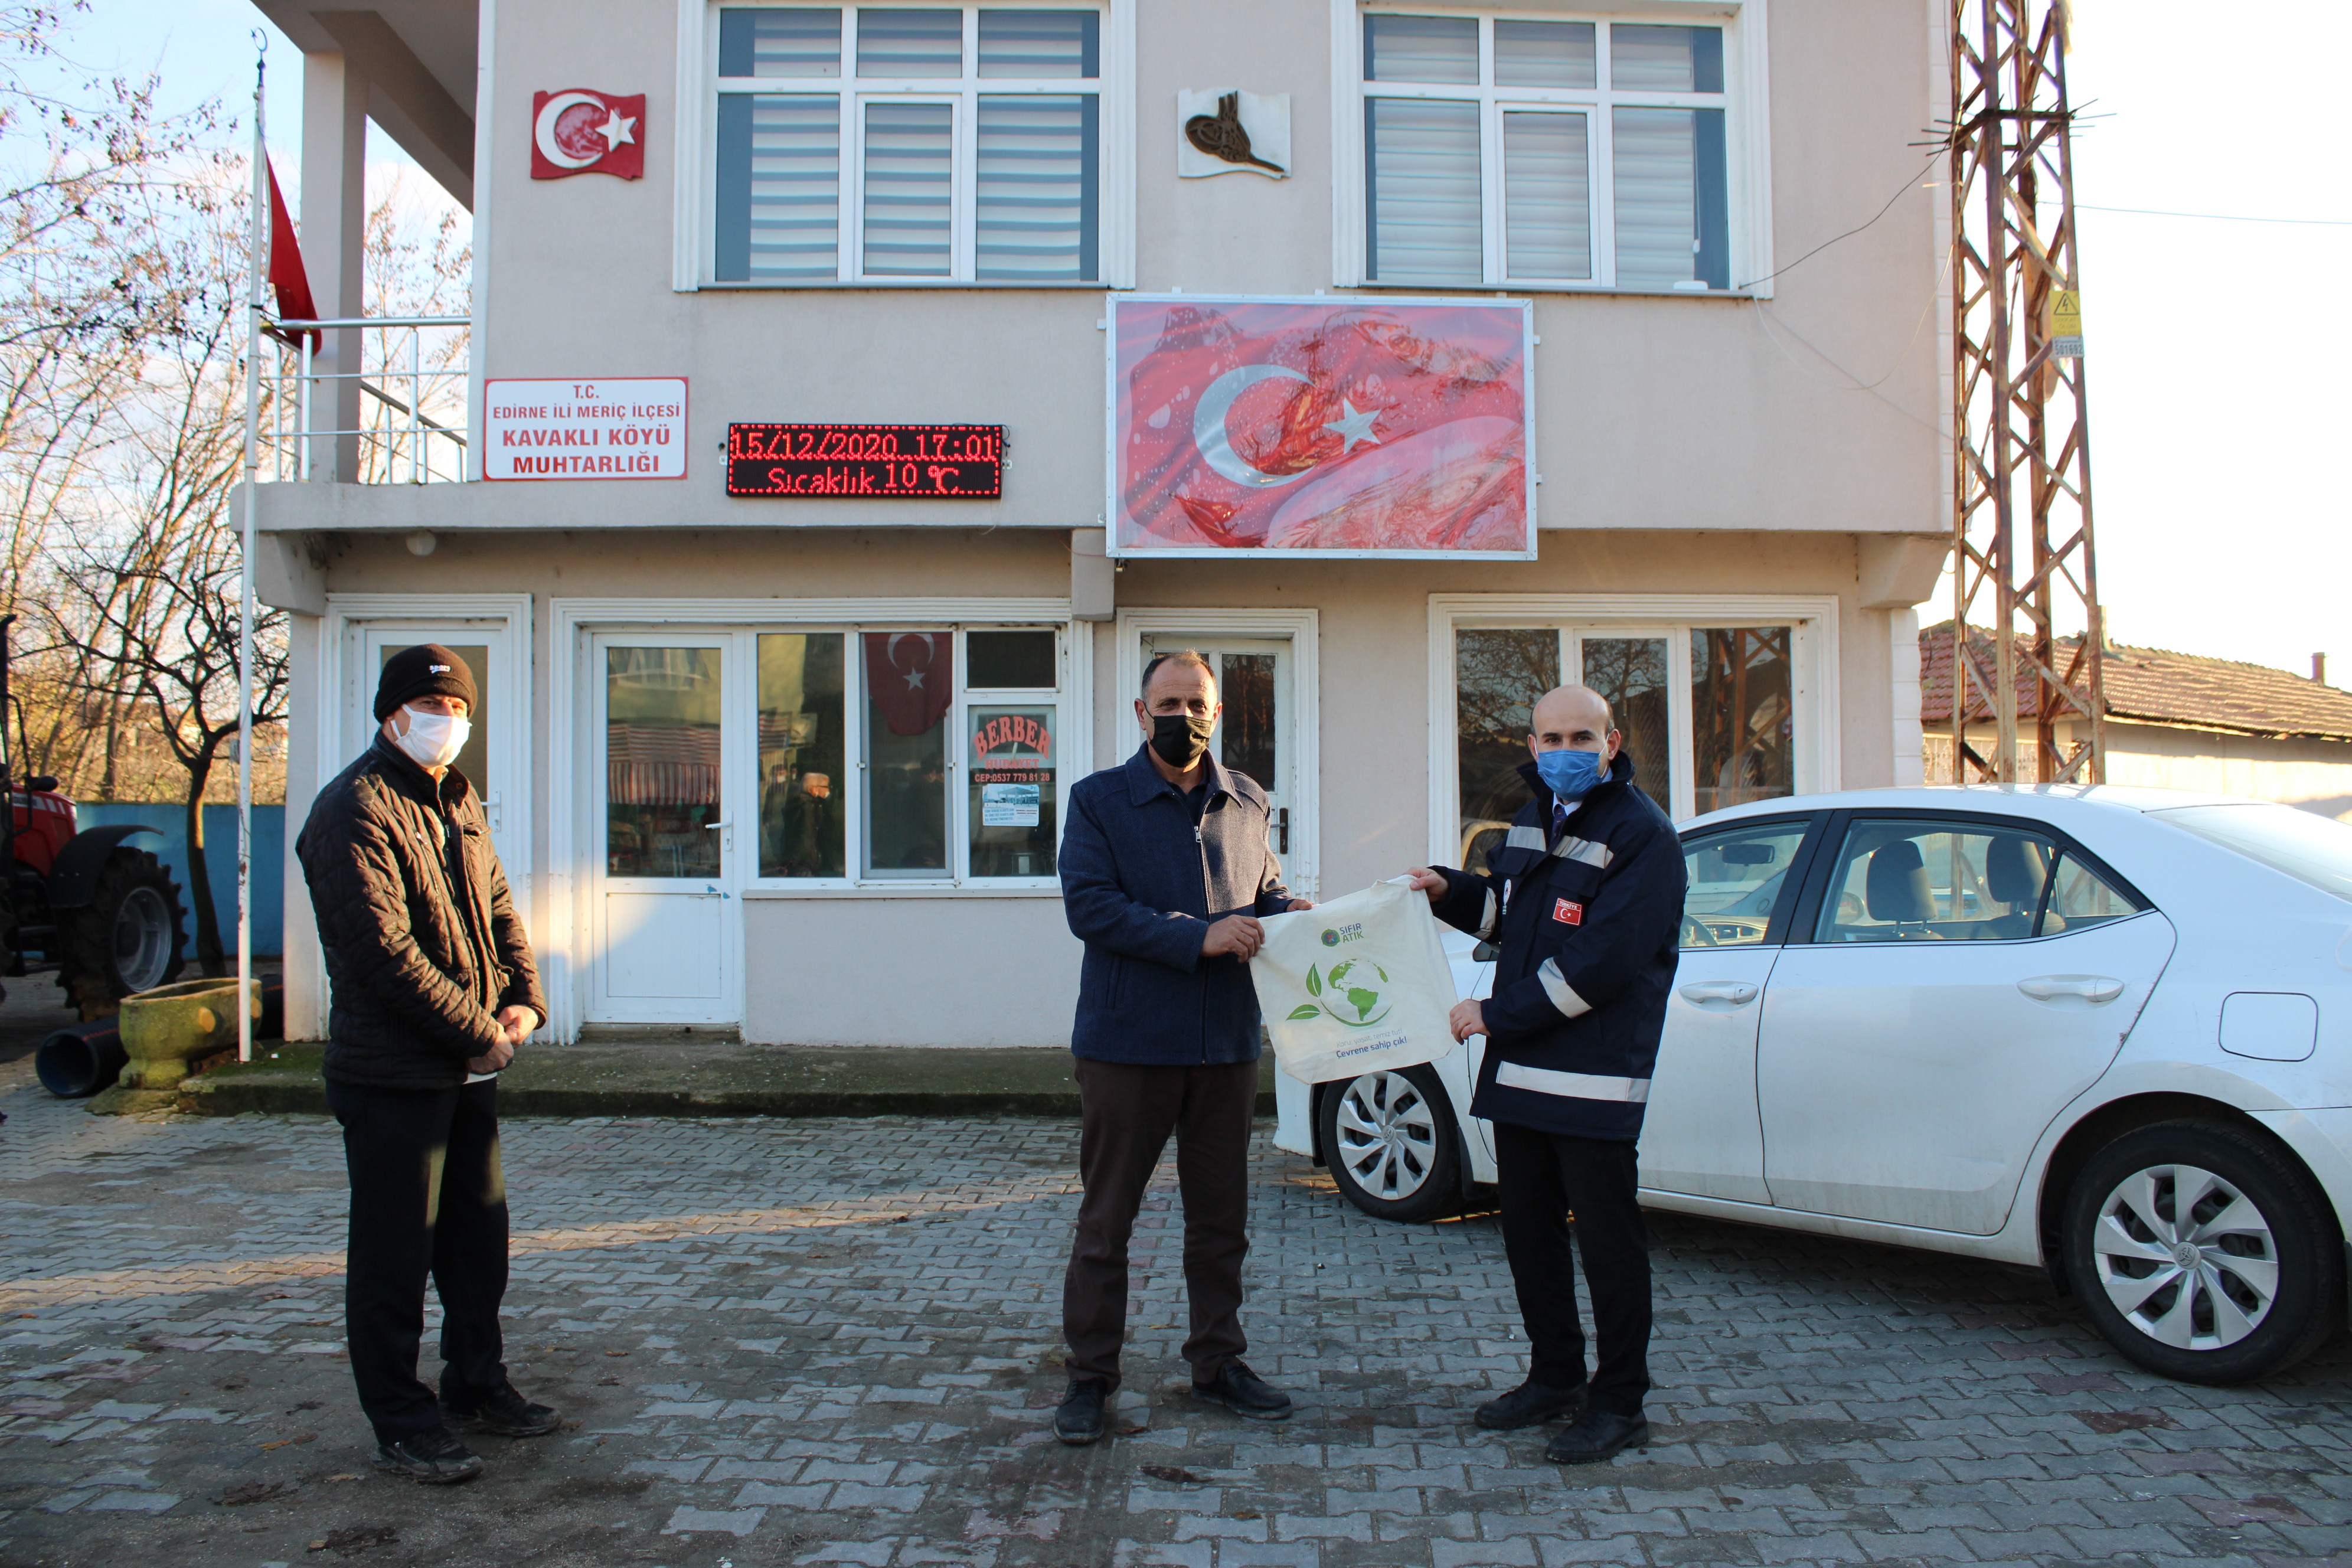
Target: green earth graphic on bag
x=1349, y=992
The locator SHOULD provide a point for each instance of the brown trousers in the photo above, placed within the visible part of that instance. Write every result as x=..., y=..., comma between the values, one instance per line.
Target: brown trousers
x=1128, y=1113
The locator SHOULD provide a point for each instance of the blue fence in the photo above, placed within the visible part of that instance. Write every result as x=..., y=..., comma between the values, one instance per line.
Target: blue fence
x=171, y=847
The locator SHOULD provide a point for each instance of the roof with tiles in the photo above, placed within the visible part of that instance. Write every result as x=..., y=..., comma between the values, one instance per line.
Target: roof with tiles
x=2157, y=686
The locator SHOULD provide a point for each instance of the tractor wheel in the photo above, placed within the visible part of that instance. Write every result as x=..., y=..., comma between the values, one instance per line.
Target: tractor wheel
x=131, y=936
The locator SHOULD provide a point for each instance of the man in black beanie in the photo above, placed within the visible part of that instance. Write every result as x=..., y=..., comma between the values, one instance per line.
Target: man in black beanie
x=433, y=988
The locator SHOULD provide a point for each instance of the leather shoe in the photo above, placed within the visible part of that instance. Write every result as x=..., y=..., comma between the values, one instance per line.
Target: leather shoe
x=1244, y=1393
x=1596, y=1434
x=503, y=1412
x=1080, y=1421
x=1530, y=1405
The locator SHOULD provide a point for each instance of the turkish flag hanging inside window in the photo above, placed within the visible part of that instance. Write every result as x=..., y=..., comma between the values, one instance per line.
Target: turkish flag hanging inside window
x=910, y=678
x=580, y=131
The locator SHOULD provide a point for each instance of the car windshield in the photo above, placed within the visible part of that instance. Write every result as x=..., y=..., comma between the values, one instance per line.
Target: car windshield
x=2299, y=843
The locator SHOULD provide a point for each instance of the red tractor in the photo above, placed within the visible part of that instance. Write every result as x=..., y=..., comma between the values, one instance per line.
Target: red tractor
x=105, y=916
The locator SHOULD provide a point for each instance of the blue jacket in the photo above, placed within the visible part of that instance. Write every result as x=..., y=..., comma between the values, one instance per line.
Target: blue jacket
x=1140, y=884
x=1590, y=925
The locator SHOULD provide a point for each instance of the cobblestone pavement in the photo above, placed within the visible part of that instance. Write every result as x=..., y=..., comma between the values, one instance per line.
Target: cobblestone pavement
x=836, y=1342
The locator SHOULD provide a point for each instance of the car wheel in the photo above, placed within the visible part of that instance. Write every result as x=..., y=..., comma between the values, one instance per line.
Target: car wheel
x=2202, y=1253
x=1390, y=1141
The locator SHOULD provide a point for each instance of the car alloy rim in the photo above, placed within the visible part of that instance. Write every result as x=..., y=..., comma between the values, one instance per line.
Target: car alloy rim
x=1388, y=1135
x=2185, y=1258
x=142, y=938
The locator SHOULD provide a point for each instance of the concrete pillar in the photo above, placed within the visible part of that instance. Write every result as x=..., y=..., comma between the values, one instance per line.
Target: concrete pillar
x=307, y=708
x=333, y=235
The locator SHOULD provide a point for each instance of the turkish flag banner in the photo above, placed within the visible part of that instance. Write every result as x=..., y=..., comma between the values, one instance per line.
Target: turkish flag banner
x=910, y=678
x=1343, y=427
x=580, y=131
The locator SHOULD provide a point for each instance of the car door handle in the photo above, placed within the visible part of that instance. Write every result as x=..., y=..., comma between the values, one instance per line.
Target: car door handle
x=1732, y=991
x=2089, y=988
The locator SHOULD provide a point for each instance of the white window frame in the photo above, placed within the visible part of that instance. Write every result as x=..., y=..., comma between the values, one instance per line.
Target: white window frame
x=1812, y=656
x=1748, y=196
x=694, y=262
x=565, y=945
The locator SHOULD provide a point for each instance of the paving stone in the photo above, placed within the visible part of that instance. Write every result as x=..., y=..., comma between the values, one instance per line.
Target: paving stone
x=839, y=1342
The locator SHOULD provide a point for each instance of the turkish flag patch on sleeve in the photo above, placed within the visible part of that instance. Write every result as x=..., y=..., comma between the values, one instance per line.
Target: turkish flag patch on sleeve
x=582, y=131
x=1568, y=912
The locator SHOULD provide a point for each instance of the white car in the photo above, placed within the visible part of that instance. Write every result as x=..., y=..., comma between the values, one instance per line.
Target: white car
x=2104, y=1031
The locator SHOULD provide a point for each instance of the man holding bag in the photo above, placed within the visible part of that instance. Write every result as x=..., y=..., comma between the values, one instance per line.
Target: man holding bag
x=1585, y=900
x=1165, y=868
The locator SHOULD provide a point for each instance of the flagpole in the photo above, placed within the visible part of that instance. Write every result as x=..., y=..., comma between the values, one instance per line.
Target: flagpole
x=258, y=251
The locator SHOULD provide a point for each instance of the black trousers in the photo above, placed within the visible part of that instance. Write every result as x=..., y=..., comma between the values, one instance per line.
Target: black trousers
x=429, y=1199
x=1543, y=1177
x=1128, y=1113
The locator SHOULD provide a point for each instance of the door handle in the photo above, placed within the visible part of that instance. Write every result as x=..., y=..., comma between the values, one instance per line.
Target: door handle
x=2093, y=988
x=1282, y=830
x=1732, y=991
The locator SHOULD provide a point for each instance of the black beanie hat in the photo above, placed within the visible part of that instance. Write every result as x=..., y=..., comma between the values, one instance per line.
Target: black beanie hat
x=422, y=671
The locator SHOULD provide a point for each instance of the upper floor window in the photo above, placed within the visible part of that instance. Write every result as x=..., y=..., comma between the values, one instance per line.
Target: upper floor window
x=907, y=143
x=1554, y=154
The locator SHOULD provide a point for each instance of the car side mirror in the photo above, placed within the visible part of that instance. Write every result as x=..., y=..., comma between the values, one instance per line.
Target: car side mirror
x=1486, y=952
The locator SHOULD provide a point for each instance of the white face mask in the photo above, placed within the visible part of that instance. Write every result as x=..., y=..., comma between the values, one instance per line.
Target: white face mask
x=434, y=739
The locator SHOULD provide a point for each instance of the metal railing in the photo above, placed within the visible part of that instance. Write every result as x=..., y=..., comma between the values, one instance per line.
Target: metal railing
x=410, y=428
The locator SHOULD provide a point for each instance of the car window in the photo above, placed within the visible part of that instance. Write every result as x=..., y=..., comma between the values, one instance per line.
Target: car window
x=2080, y=897
x=1735, y=875
x=1937, y=881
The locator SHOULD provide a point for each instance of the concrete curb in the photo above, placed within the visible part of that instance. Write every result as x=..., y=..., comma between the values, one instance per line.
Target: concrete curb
x=779, y=1080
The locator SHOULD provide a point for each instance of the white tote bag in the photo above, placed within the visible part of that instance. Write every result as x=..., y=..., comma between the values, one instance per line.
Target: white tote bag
x=1357, y=985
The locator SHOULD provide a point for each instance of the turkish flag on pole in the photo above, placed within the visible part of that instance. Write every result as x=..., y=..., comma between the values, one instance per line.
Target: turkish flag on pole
x=286, y=277
x=910, y=678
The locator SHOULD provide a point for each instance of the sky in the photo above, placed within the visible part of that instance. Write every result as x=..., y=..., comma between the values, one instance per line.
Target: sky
x=2215, y=348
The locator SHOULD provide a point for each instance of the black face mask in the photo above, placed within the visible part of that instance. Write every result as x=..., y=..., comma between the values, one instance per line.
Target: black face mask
x=1181, y=738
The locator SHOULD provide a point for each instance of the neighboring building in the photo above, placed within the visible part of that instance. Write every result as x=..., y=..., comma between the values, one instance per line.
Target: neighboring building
x=2174, y=721
x=791, y=763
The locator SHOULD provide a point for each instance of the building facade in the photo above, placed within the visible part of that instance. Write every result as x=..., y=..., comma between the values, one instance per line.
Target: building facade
x=789, y=763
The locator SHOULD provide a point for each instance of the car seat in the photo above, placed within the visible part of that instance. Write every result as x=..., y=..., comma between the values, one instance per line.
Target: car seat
x=2015, y=873
x=1894, y=888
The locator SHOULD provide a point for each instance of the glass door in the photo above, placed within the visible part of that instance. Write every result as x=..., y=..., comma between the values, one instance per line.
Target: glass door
x=1257, y=734
x=669, y=938
x=1633, y=671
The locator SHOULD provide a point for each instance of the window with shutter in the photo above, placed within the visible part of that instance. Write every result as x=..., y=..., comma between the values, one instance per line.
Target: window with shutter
x=1548, y=154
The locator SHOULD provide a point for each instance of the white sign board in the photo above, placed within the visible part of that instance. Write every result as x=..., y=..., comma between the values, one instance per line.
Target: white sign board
x=584, y=429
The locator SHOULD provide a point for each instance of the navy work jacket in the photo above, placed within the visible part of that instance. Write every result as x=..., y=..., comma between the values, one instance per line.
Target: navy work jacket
x=1141, y=882
x=1588, y=923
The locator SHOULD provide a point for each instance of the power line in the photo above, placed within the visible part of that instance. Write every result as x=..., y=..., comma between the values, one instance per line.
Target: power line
x=2216, y=218
x=1910, y=182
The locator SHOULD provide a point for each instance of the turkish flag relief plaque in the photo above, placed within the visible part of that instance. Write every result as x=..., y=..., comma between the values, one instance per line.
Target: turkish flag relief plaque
x=582, y=131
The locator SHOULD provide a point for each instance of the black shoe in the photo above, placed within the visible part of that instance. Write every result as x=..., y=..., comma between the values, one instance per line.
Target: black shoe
x=1079, y=1420
x=1244, y=1393
x=1530, y=1405
x=1596, y=1434
x=435, y=1458
x=503, y=1413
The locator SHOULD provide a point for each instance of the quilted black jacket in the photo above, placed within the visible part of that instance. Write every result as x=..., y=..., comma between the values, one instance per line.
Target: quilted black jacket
x=423, y=943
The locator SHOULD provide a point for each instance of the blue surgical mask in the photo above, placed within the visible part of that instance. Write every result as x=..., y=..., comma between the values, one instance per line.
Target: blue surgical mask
x=1570, y=774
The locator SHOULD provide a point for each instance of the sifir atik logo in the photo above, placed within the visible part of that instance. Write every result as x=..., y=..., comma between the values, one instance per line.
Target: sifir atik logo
x=582, y=131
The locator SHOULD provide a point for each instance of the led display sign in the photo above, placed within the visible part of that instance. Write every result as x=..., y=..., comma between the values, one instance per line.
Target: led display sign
x=917, y=462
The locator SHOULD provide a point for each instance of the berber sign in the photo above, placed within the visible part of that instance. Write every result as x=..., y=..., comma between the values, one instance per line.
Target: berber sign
x=917, y=462
x=584, y=429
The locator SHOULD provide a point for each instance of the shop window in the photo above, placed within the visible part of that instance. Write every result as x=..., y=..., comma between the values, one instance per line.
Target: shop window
x=948, y=145
x=802, y=783
x=1553, y=153
x=910, y=755
x=1707, y=714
